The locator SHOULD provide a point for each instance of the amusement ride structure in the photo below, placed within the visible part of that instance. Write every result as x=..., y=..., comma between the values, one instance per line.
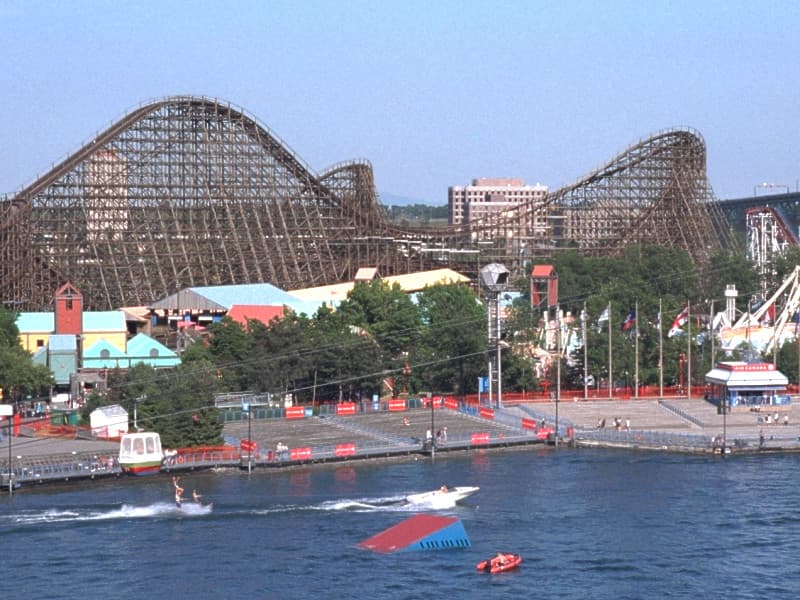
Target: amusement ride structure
x=188, y=191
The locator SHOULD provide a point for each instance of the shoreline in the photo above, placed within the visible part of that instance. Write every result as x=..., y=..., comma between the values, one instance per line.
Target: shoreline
x=663, y=425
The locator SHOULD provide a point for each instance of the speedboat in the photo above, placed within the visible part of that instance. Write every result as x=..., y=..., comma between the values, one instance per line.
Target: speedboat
x=499, y=563
x=444, y=497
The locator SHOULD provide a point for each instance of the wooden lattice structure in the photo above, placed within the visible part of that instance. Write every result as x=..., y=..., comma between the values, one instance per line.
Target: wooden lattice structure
x=189, y=191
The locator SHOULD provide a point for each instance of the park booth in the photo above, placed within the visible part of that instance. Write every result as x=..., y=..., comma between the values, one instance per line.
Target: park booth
x=741, y=387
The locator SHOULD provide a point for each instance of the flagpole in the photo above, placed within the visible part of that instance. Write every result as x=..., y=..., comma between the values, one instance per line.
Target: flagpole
x=610, y=368
x=585, y=354
x=774, y=340
x=711, y=330
x=688, y=350
x=636, y=352
x=660, y=351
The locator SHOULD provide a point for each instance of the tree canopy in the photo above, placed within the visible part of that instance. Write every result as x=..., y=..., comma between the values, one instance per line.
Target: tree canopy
x=20, y=378
x=380, y=338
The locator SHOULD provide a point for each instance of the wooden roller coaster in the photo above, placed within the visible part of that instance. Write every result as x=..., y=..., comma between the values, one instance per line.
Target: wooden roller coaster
x=188, y=191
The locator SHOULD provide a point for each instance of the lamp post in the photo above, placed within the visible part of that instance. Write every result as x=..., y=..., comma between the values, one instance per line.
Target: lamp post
x=7, y=411
x=179, y=341
x=724, y=421
x=433, y=435
x=558, y=370
x=246, y=408
x=136, y=411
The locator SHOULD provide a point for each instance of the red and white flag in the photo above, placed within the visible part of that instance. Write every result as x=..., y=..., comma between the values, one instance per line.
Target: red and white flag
x=679, y=322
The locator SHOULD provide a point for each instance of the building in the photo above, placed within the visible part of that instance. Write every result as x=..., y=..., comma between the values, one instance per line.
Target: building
x=410, y=283
x=487, y=197
x=195, y=308
x=109, y=421
x=79, y=347
x=176, y=318
x=743, y=387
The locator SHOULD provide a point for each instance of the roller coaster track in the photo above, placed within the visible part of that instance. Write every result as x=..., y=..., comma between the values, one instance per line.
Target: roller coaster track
x=188, y=191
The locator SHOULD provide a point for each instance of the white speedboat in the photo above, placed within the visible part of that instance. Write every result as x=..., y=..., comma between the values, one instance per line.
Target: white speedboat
x=443, y=497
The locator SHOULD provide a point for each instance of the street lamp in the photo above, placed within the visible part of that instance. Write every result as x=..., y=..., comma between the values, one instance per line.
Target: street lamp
x=135, y=411
x=179, y=340
x=724, y=422
x=7, y=411
x=246, y=408
x=433, y=435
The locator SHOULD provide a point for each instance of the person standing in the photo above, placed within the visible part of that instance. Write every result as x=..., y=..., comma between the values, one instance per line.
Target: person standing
x=176, y=482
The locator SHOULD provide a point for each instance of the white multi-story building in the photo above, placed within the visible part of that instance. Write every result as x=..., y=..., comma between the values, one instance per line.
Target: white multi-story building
x=489, y=196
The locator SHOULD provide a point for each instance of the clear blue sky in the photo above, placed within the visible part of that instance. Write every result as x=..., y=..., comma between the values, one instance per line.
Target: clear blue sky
x=433, y=93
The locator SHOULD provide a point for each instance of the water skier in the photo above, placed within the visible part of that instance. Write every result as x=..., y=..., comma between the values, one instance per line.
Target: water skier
x=176, y=481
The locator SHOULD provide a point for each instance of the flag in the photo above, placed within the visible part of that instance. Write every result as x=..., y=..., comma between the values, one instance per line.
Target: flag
x=769, y=315
x=602, y=319
x=630, y=320
x=679, y=322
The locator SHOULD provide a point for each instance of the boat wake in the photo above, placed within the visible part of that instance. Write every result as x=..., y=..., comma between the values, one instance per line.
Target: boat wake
x=399, y=503
x=126, y=511
x=386, y=503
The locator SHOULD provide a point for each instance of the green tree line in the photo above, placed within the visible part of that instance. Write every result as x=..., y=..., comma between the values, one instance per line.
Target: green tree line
x=437, y=341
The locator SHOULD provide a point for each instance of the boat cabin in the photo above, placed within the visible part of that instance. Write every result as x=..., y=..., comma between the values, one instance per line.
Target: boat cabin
x=141, y=453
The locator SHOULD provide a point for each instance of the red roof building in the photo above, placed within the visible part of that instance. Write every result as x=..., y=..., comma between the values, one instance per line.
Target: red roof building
x=241, y=313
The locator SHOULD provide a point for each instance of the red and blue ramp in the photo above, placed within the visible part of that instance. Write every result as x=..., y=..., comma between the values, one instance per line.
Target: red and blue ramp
x=420, y=532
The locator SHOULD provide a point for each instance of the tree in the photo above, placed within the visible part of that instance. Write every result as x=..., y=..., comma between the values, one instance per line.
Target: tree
x=453, y=347
x=228, y=345
x=348, y=362
x=387, y=313
x=176, y=403
x=19, y=376
x=184, y=412
x=730, y=268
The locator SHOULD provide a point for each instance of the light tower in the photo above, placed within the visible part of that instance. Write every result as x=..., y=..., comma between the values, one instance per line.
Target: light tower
x=494, y=277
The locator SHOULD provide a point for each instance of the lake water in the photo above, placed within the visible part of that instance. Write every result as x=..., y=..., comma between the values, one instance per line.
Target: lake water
x=589, y=524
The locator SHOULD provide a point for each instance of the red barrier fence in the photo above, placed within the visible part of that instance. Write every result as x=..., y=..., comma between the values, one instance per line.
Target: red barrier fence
x=438, y=401
x=249, y=446
x=479, y=439
x=300, y=453
x=345, y=449
x=397, y=404
x=295, y=412
x=346, y=408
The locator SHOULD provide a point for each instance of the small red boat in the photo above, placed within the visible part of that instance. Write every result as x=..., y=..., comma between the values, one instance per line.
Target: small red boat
x=499, y=563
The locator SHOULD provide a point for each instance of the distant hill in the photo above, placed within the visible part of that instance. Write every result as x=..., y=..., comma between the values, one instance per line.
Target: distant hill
x=388, y=199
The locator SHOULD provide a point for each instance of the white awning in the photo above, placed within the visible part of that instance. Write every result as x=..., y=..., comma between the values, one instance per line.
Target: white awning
x=764, y=380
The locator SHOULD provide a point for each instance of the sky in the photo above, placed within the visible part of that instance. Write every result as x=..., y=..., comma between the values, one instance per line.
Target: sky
x=433, y=93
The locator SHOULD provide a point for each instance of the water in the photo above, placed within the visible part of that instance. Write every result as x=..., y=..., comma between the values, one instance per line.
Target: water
x=589, y=524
